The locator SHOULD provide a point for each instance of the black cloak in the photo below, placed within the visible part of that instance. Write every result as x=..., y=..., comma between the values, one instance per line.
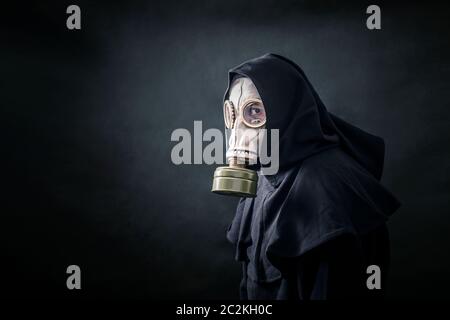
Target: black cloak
x=315, y=226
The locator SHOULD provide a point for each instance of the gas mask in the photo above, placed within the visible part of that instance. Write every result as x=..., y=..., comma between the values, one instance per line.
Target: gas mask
x=244, y=117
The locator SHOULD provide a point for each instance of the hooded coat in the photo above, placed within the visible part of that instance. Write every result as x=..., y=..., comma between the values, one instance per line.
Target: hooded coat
x=315, y=228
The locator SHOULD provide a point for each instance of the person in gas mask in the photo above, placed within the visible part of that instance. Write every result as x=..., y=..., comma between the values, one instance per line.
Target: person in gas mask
x=317, y=228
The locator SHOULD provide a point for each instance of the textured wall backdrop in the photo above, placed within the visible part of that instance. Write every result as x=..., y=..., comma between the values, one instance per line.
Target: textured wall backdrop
x=87, y=117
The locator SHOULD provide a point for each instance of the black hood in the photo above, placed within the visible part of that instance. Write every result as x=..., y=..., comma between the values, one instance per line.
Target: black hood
x=305, y=126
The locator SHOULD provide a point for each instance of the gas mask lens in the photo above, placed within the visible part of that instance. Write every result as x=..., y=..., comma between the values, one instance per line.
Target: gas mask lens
x=253, y=114
x=229, y=114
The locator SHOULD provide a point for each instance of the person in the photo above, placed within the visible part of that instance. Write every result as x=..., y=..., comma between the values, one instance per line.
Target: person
x=317, y=227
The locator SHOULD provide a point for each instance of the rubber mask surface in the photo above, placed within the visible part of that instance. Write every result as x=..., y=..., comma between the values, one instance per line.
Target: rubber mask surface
x=244, y=117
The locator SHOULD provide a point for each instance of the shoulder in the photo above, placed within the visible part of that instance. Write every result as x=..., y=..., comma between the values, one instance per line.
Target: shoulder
x=327, y=196
x=327, y=162
x=326, y=169
x=331, y=184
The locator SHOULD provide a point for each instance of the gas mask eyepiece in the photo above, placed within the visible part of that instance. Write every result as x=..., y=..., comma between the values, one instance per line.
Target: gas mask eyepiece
x=244, y=117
